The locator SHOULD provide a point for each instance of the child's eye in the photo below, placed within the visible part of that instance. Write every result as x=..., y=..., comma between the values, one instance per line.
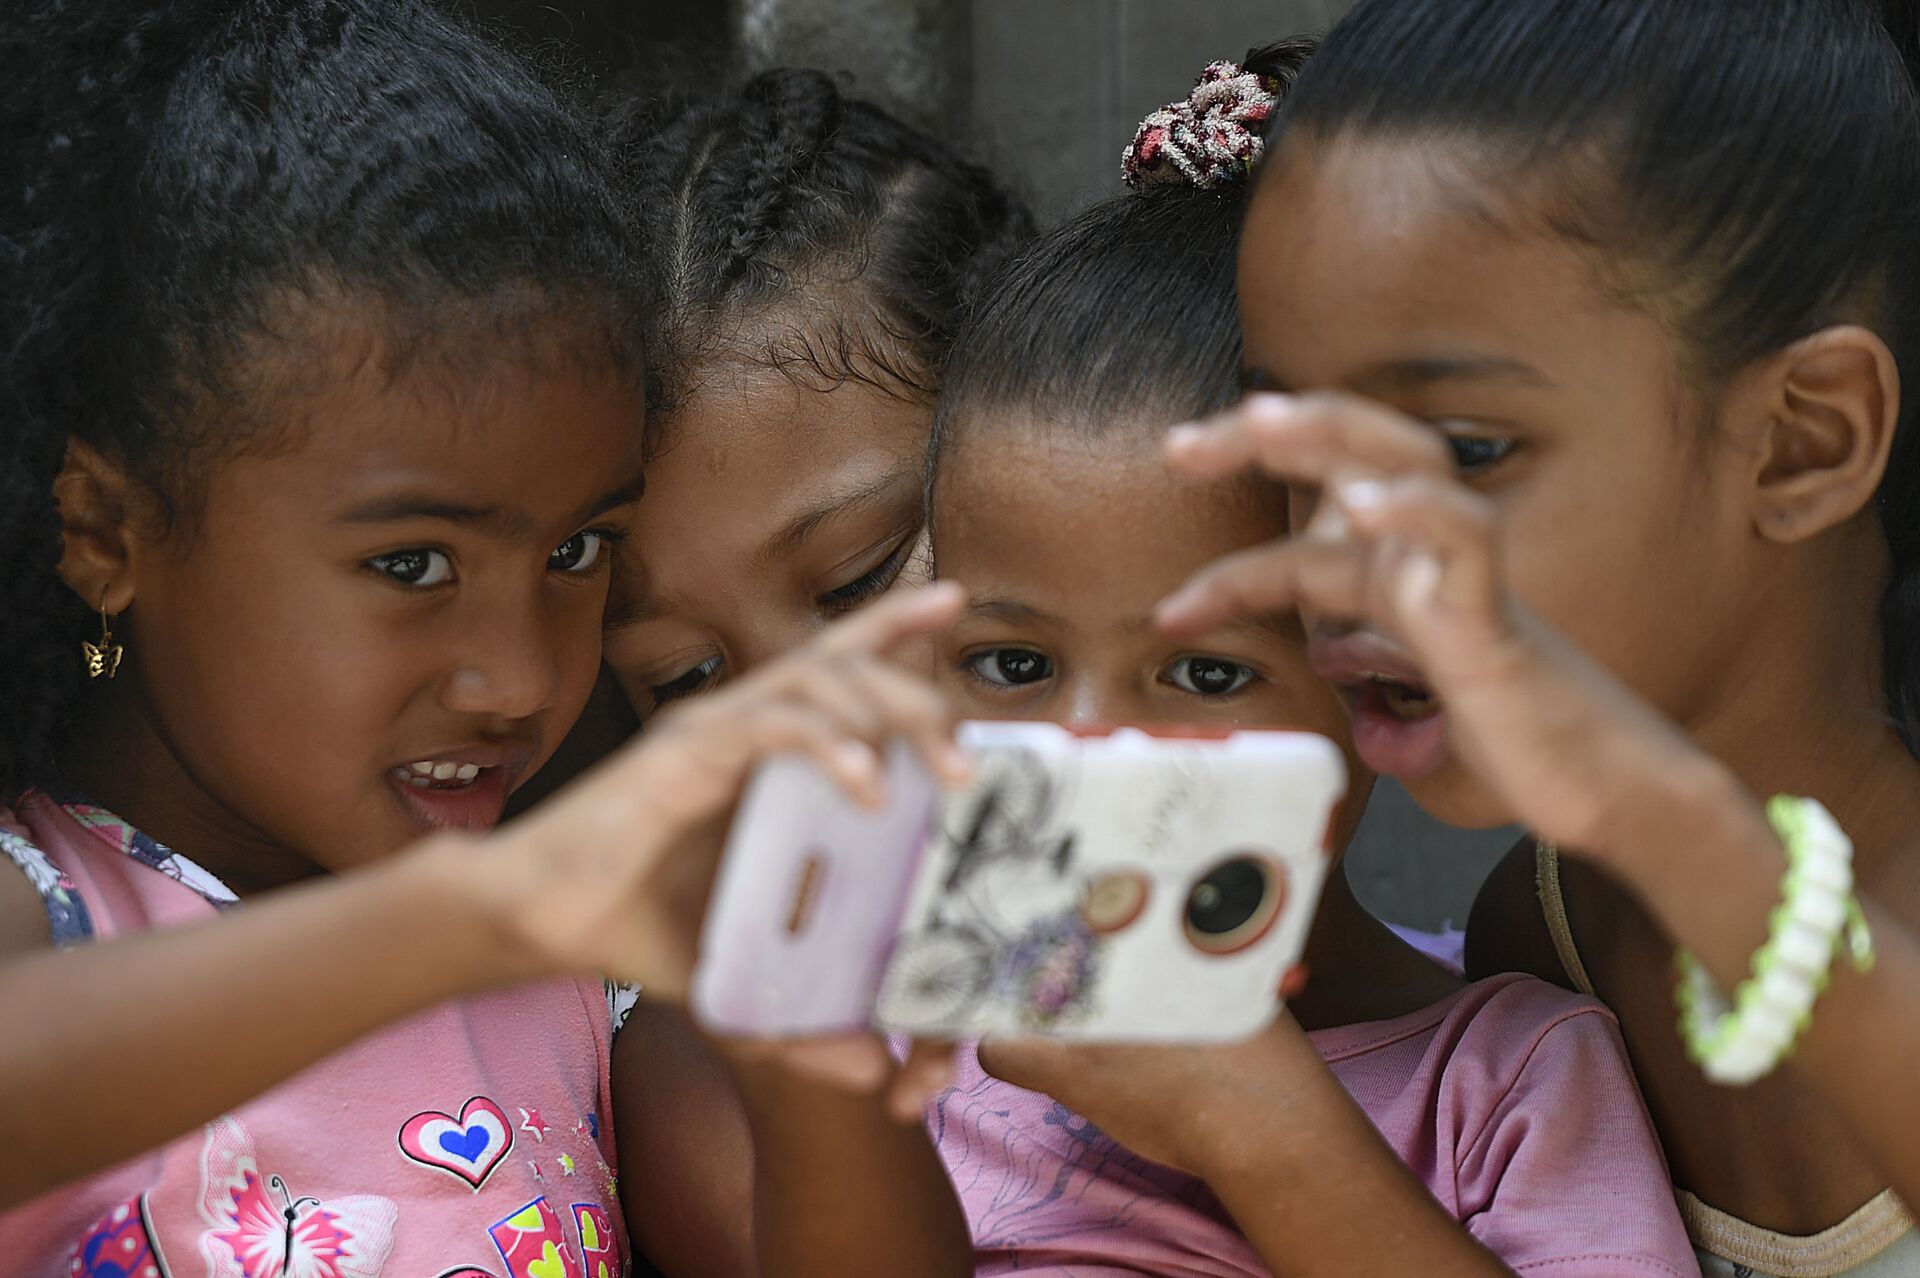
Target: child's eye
x=581, y=553
x=872, y=583
x=693, y=681
x=417, y=568
x=1475, y=453
x=1011, y=667
x=1209, y=676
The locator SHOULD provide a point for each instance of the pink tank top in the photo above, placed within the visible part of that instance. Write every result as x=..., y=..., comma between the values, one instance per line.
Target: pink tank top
x=472, y=1141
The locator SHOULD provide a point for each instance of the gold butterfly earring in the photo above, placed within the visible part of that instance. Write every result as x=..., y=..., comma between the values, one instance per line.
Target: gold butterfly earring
x=103, y=658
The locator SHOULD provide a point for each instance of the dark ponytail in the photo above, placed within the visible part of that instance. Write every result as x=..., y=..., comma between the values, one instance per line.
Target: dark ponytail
x=1124, y=317
x=171, y=171
x=1761, y=156
x=786, y=191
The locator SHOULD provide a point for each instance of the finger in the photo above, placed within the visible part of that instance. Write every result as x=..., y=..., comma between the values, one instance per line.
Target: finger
x=895, y=619
x=1328, y=576
x=912, y=708
x=927, y=1071
x=1449, y=534
x=797, y=727
x=1306, y=439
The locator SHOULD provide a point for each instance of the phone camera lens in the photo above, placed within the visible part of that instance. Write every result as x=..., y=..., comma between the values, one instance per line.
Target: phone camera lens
x=1234, y=904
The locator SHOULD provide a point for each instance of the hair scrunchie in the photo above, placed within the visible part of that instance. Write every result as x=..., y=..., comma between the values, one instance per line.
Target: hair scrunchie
x=1213, y=138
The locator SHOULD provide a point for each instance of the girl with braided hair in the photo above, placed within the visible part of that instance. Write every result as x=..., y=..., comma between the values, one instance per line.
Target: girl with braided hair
x=811, y=258
x=321, y=382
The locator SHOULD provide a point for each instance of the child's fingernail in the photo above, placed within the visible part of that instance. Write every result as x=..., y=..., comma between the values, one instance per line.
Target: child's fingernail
x=1267, y=405
x=1360, y=495
x=1171, y=612
x=860, y=763
x=1329, y=523
x=955, y=764
x=1420, y=579
x=1185, y=436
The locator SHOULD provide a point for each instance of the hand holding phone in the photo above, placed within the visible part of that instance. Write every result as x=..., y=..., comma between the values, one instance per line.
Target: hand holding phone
x=1120, y=887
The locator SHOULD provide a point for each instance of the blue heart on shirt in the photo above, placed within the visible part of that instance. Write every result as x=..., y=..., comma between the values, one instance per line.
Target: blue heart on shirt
x=467, y=1145
x=96, y=1265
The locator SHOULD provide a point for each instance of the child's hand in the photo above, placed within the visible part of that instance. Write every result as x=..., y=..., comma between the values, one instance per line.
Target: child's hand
x=1401, y=546
x=1198, y=1109
x=612, y=875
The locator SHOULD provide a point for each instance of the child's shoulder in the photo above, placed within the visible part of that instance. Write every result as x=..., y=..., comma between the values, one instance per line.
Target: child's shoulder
x=1500, y=1015
x=1506, y=1042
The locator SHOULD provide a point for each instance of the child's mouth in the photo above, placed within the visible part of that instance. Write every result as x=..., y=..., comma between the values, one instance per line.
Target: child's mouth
x=451, y=794
x=1399, y=726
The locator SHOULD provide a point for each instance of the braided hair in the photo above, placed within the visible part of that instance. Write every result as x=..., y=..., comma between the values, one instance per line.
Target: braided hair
x=813, y=232
x=174, y=169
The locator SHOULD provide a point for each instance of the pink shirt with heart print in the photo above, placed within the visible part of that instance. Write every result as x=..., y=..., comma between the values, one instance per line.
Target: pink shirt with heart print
x=473, y=1139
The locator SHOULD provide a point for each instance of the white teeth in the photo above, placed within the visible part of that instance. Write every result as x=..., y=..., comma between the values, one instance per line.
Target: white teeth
x=428, y=771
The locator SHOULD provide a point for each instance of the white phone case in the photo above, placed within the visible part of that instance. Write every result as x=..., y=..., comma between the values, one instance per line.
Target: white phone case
x=1126, y=887
x=1121, y=888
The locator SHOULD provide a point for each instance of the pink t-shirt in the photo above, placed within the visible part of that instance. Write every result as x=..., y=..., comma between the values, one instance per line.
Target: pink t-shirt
x=1512, y=1100
x=466, y=1142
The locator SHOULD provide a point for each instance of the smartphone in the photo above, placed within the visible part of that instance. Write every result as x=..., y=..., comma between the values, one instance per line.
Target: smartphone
x=1123, y=886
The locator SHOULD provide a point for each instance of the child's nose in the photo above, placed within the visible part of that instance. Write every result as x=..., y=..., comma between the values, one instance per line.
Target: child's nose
x=1092, y=703
x=508, y=669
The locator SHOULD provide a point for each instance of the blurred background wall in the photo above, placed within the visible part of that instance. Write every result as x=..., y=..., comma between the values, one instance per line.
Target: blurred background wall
x=1048, y=92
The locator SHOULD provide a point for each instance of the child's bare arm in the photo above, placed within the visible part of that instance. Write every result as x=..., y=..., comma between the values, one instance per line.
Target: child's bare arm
x=1406, y=547
x=117, y=1047
x=735, y=1165
x=843, y=1188
x=686, y=1151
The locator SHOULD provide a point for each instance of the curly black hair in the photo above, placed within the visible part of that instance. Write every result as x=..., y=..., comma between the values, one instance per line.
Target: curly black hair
x=171, y=170
x=787, y=193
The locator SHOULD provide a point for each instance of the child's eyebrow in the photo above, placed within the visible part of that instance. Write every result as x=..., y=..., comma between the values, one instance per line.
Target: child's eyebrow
x=613, y=498
x=1426, y=369
x=396, y=508
x=1008, y=610
x=393, y=508
x=802, y=526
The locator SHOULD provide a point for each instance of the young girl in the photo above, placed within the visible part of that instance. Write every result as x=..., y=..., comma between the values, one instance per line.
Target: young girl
x=298, y=584
x=1629, y=290
x=812, y=257
x=1510, y=1105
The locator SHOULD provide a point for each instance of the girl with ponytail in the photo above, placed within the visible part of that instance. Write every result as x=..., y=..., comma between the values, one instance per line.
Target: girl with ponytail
x=1603, y=321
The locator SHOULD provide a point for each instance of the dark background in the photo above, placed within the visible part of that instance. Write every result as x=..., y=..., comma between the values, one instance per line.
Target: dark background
x=1046, y=91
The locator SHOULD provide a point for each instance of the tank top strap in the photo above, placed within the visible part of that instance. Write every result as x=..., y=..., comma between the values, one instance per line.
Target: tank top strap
x=1867, y=1233
x=69, y=921
x=1553, y=904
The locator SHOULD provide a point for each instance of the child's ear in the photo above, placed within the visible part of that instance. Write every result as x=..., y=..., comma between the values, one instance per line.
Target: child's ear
x=96, y=498
x=1831, y=402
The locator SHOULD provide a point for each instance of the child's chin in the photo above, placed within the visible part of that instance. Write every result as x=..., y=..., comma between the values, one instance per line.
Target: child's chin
x=1453, y=796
